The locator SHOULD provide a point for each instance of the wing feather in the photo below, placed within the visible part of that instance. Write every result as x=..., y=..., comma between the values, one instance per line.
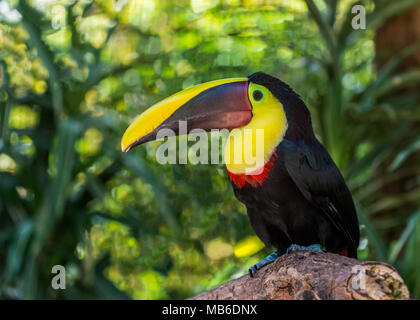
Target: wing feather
x=319, y=180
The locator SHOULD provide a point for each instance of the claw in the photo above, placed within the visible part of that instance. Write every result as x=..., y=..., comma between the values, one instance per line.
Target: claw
x=252, y=270
x=313, y=247
x=269, y=259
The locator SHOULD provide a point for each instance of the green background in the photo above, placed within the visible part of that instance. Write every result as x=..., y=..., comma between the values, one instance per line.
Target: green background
x=75, y=73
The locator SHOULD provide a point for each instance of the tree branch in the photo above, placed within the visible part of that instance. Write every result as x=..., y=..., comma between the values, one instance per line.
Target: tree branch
x=309, y=275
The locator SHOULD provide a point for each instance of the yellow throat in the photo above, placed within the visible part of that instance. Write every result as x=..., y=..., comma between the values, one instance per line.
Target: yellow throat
x=250, y=147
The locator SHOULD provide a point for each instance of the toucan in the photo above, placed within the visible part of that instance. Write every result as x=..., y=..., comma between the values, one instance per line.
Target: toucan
x=296, y=197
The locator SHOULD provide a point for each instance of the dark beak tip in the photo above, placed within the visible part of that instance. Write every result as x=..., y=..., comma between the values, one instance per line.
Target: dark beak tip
x=126, y=149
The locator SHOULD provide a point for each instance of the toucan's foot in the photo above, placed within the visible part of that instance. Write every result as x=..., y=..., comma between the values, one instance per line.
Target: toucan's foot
x=268, y=259
x=296, y=247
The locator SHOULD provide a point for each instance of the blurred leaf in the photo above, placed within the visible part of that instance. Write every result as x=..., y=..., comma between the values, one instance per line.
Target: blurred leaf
x=412, y=260
x=378, y=242
x=405, y=235
x=404, y=154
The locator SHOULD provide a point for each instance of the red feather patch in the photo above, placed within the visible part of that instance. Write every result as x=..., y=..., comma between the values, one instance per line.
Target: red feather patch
x=253, y=179
x=344, y=252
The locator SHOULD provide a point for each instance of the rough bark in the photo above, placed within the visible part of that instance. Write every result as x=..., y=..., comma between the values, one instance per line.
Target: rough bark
x=309, y=275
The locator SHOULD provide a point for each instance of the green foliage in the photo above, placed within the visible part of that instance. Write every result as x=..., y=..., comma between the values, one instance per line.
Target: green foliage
x=125, y=226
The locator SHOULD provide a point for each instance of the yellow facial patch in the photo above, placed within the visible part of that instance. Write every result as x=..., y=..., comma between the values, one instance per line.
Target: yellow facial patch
x=158, y=113
x=248, y=148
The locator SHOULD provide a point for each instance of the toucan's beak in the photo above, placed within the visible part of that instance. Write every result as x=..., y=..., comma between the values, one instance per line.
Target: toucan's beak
x=220, y=104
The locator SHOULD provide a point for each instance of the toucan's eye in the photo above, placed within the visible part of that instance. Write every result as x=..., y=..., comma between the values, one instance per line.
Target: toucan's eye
x=258, y=95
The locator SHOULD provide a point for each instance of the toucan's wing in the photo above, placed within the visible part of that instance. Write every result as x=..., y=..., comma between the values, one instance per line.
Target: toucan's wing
x=319, y=180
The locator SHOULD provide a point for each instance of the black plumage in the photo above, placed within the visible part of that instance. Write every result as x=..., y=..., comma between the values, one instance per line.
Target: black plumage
x=304, y=199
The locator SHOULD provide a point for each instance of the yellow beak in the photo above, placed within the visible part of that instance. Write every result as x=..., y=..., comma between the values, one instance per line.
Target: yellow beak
x=212, y=105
